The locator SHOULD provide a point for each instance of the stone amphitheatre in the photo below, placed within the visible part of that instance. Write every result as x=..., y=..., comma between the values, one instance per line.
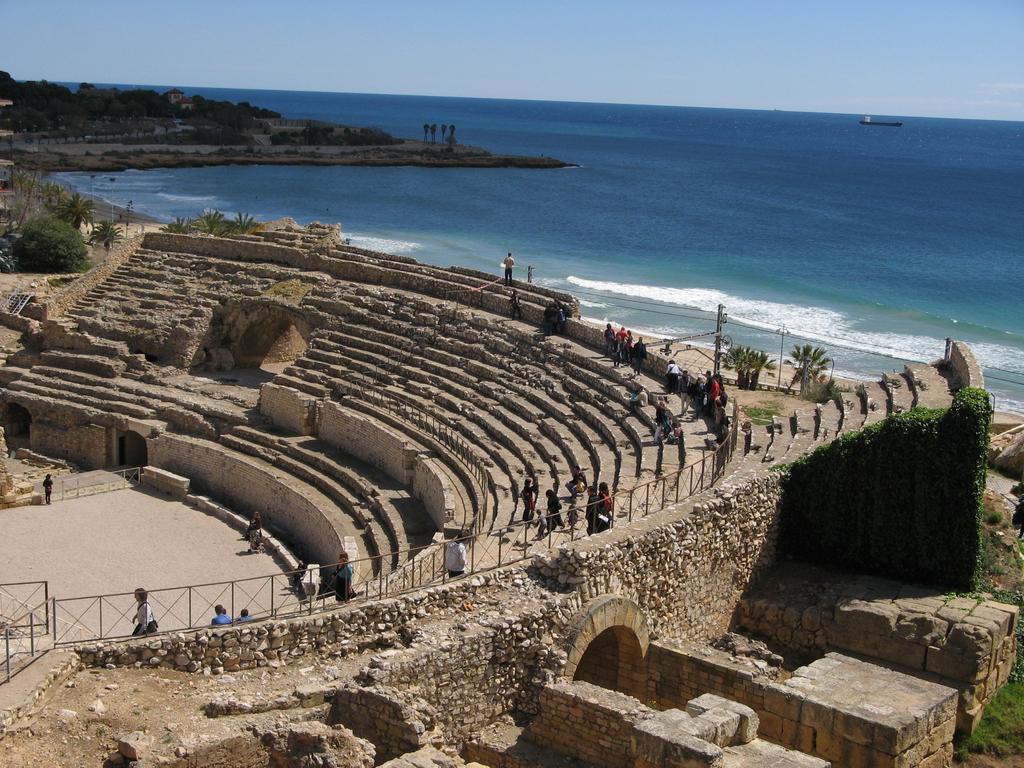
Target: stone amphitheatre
x=367, y=403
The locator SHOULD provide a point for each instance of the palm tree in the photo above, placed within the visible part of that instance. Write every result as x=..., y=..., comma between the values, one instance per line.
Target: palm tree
x=444, y=131
x=738, y=358
x=451, y=135
x=433, y=133
x=810, y=363
x=179, y=226
x=426, y=130
x=244, y=224
x=53, y=196
x=77, y=210
x=759, y=361
x=106, y=233
x=211, y=222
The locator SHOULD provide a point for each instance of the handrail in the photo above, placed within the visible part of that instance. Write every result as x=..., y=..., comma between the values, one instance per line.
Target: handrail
x=109, y=616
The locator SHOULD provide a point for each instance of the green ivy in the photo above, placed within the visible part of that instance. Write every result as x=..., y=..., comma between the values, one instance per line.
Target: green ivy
x=902, y=498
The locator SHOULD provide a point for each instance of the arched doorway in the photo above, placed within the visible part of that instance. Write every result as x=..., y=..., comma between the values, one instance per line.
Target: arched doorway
x=608, y=646
x=615, y=660
x=132, y=450
x=19, y=423
x=271, y=339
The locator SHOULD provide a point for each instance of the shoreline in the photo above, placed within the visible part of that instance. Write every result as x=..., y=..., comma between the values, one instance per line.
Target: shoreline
x=122, y=157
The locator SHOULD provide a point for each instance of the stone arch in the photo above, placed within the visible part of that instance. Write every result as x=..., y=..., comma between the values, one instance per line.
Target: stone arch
x=18, y=423
x=607, y=645
x=132, y=450
x=255, y=335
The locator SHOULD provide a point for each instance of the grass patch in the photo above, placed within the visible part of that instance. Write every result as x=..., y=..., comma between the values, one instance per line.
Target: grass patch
x=761, y=415
x=290, y=291
x=1001, y=730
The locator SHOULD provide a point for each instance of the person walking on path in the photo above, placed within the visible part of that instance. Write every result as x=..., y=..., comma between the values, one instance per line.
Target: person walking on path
x=145, y=622
x=255, y=532
x=509, y=265
x=672, y=374
x=553, y=513
x=455, y=556
x=677, y=430
x=48, y=487
x=1018, y=515
x=639, y=355
x=529, y=497
x=343, y=591
x=515, y=306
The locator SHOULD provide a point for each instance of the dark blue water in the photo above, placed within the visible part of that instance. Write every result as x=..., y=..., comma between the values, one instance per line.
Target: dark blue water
x=866, y=239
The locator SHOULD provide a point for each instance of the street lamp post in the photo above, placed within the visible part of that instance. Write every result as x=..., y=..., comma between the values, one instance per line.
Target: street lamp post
x=782, y=348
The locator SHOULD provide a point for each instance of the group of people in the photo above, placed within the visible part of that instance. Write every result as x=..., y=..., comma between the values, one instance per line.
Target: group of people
x=556, y=316
x=598, y=510
x=146, y=623
x=623, y=349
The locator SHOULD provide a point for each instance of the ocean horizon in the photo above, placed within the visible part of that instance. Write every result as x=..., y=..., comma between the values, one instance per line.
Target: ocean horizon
x=877, y=243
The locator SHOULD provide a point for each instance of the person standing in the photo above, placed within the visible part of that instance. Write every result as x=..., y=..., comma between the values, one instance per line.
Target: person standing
x=604, y=519
x=145, y=622
x=594, y=507
x=509, y=264
x=48, y=487
x=455, y=556
x=529, y=273
x=529, y=497
x=680, y=436
x=639, y=354
x=609, y=340
x=515, y=306
x=343, y=591
x=672, y=374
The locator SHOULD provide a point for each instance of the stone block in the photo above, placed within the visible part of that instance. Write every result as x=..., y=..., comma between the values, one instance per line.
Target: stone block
x=862, y=616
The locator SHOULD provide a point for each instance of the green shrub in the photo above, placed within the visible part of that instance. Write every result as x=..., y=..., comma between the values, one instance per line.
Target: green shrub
x=48, y=244
x=902, y=498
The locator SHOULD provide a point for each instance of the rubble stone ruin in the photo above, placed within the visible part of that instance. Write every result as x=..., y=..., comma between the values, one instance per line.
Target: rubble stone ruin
x=371, y=404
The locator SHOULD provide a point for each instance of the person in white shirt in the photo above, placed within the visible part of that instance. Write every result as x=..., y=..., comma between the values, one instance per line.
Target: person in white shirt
x=455, y=556
x=509, y=264
x=672, y=374
x=145, y=623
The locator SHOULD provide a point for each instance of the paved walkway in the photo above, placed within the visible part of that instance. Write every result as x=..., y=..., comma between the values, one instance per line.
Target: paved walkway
x=114, y=542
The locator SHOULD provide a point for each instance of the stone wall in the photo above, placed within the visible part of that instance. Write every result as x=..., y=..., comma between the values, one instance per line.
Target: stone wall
x=225, y=248
x=395, y=723
x=969, y=644
x=965, y=367
x=685, y=571
x=246, y=486
x=367, y=440
x=838, y=708
x=431, y=486
x=59, y=303
x=288, y=408
x=85, y=445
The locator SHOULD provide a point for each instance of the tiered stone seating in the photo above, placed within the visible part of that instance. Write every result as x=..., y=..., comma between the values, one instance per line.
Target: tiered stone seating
x=426, y=353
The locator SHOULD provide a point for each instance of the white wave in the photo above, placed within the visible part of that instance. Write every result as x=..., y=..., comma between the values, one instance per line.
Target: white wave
x=999, y=356
x=592, y=304
x=186, y=198
x=814, y=323
x=383, y=244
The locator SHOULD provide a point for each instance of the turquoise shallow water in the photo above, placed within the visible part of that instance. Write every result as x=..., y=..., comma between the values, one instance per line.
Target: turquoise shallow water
x=876, y=242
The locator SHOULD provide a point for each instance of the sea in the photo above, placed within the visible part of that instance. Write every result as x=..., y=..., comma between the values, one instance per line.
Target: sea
x=875, y=243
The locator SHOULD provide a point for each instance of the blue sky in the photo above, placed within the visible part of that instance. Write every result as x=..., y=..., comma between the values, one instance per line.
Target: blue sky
x=905, y=57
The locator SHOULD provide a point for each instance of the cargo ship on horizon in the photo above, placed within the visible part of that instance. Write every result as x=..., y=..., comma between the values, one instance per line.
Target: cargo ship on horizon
x=866, y=120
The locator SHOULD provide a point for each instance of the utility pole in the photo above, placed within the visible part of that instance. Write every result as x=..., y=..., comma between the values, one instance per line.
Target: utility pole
x=782, y=347
x=719, y=322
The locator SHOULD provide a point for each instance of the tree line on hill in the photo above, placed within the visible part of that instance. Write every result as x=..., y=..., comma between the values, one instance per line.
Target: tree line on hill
x=44, y=106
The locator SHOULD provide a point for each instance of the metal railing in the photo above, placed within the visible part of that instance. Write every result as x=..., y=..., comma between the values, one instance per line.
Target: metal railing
x=88, y=484
x=25, y=624
x=279, y=595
